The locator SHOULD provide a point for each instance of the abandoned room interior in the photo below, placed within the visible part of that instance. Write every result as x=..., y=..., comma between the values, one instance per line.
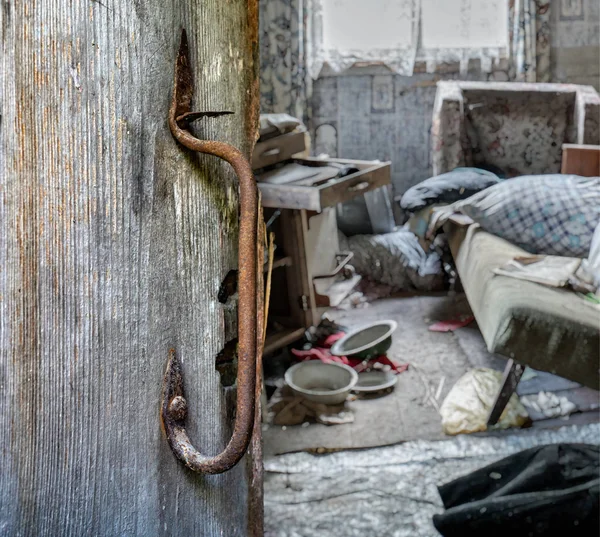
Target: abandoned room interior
x=415, y=176
x=300, y=268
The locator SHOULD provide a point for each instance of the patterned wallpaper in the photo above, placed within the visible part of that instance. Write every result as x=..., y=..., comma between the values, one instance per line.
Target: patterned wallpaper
x=377, y=116
x=575, y=31
x=386, y=116
x=575, y=23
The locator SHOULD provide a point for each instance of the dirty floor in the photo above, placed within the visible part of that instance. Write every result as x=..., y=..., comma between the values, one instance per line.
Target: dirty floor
x=436, y=359
x=368, y=490
x=385, y=492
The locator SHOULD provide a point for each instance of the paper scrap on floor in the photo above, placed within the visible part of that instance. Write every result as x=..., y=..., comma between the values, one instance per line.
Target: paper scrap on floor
x=549, y=404
x=550, y=270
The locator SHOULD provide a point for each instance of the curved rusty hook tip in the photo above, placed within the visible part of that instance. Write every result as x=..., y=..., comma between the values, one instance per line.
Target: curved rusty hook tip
x=174, y=406
x=173, y=414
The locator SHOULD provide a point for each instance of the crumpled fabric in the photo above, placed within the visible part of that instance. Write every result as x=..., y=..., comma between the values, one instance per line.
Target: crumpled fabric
x=550, y=214
x=395, y=259
x=458, y=184
x=322, y=353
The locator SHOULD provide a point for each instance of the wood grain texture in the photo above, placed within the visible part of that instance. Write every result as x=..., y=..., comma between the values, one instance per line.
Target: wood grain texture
x=581, y=160
x=113, y=243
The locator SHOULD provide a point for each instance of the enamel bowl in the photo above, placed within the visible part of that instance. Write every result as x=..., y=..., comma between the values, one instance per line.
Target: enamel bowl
x=329, y=384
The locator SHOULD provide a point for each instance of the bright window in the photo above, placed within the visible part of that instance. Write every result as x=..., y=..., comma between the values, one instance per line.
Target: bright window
x=464, y=23
x=399, y=32
x=368, y=26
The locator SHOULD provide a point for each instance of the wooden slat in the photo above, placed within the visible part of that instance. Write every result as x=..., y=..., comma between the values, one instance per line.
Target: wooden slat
x=581, y=160
x=281, y=339
x=298, y=282
x=510, y=378
x=349, y=187
x=277, y=149
x=289, y=197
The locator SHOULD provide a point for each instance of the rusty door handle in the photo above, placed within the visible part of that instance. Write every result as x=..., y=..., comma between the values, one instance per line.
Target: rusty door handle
x=359, y=187
x=174, y=405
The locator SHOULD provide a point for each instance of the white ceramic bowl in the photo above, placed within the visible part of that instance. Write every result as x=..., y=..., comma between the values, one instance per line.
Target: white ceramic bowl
x=323, y=383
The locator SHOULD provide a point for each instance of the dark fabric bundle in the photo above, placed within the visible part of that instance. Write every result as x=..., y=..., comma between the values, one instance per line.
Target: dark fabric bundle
x=545, y=490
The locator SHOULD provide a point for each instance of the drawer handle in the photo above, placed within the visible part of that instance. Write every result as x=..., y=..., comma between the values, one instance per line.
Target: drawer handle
x=347, y=256
x=270, y=152
x=358, y=187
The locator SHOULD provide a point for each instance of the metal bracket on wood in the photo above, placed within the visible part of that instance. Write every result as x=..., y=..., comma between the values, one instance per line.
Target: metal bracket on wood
x=174, y=405
x=510, y=379
x=344, y=258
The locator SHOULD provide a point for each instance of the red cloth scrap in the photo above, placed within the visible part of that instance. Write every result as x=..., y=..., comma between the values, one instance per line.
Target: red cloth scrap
x=322, y=353
x=452, y=324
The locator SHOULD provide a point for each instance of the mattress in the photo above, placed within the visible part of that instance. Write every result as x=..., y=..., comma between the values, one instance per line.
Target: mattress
x=549, y=329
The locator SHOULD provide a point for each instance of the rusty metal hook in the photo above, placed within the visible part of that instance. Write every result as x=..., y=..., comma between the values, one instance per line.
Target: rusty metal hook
x=174, y=405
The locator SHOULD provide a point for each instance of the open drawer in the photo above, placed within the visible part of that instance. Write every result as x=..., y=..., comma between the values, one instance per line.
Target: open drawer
x=277, y=149
x=314, y=184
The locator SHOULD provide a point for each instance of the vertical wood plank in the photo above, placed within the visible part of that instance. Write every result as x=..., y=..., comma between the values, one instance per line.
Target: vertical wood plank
x=581, y=160
x=113, y=243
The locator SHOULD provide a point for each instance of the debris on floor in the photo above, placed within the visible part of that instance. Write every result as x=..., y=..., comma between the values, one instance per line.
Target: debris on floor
x=287, y=408
x=367, y=291
x=549, y=404
x=411, y=409
x=395, y=259
x=452, y=324
x=328, y=336
x=395, y=486
x=354, y=300
x=318, y=392
x=467, y=405
x=323, y=354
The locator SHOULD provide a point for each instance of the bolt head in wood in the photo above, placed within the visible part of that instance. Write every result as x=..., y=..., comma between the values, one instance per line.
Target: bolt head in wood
x=178, y=408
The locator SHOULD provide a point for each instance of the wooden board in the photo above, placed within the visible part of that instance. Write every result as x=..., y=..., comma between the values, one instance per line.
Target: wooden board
x=277, y=340
x=581, y=160
x=277, y=149
x=113, y=243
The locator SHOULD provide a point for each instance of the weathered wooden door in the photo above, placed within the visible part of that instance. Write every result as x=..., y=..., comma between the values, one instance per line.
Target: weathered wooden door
x=113, y=244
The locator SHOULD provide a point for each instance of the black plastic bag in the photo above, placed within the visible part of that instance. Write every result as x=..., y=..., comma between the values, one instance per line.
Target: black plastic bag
x=547, y=490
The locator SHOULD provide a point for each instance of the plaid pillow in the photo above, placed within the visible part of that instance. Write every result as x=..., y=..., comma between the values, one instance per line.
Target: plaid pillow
x=543, y=214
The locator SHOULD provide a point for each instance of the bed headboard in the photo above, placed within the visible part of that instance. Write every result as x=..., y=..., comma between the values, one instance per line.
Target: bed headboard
x=517, y=127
